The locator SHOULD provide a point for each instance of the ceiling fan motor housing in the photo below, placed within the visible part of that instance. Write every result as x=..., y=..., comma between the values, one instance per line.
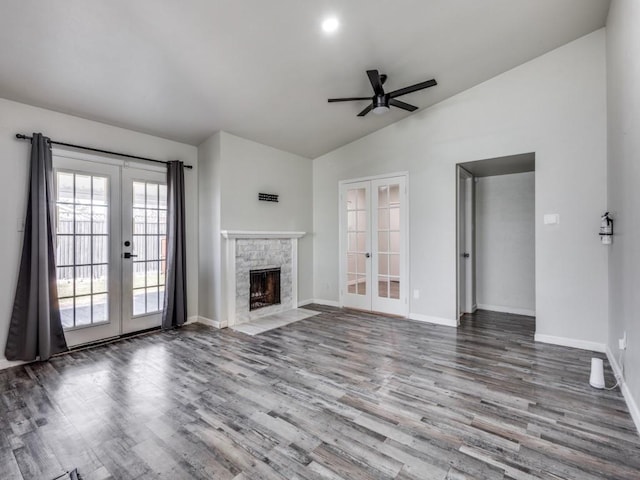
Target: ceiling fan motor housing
x=381, y=101
x=380, y=104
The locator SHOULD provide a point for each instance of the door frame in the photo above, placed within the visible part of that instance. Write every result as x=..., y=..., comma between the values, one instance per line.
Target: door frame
x=131, y=322
x=465, y=223
x=83, y=334
x=405, y=263
x=121, y=165
x=357, y=301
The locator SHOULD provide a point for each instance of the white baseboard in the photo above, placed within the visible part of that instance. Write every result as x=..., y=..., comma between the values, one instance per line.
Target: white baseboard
x=632, y=405
x=437, y=320
x=571, y=342
x=4, y=363
x=211, y=323
x=302, y=303
x=514, y=310
x=191, y=319
x=328, y=303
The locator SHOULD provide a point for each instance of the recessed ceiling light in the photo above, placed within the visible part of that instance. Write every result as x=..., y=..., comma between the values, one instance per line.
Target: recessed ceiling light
x=330, y=25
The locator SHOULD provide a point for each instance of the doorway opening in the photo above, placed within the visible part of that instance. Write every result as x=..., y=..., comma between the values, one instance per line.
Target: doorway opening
x=110, y=246
x=374, y=244
x=496, y=235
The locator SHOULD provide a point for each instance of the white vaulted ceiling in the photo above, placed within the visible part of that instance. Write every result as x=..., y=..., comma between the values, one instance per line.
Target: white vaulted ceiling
x=263, y=69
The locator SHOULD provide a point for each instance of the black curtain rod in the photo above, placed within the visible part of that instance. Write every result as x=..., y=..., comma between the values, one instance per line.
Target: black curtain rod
x=25, y=137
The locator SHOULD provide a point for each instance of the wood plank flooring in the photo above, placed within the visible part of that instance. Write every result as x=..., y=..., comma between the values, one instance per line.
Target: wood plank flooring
x=338, y=395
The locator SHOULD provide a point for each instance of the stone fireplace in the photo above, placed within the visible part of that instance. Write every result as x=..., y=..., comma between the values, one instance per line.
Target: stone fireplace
x=250, y=252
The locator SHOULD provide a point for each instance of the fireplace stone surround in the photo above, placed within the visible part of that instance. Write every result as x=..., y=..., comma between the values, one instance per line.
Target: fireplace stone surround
x=252, y=250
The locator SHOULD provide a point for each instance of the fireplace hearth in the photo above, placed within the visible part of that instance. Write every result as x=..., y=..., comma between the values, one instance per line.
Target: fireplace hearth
x=264, y=288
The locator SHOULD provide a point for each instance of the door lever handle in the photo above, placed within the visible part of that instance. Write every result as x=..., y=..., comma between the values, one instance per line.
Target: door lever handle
x=128, y=255
x=466, y=255
x=367, y=255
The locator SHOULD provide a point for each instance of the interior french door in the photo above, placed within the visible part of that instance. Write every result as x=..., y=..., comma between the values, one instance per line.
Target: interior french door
x=110, y=248
x=373, y=226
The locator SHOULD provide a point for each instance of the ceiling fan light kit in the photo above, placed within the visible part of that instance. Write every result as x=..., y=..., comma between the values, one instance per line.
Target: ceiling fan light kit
x=381, y=101
x=380, y=105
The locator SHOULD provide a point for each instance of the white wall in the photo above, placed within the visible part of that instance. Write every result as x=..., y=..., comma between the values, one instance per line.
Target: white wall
x=246, y=169
x=20, y=118
x=623, y=81
x=505, y=242
x=210, y=244
x=554, y=106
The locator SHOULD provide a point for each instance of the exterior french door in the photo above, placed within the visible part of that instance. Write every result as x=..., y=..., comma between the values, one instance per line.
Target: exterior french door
x=144, y=234
x=373, y=245
x=110, y=248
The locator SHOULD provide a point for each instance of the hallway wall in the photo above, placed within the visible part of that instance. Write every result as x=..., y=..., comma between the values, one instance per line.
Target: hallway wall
x=505, y=243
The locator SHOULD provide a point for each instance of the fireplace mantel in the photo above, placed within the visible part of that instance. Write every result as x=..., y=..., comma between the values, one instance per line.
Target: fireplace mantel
x=260, y=234
x=232, y=238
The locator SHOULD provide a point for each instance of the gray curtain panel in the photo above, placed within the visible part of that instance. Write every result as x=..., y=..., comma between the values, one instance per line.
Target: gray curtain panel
x=175, y=294
x=35, y=330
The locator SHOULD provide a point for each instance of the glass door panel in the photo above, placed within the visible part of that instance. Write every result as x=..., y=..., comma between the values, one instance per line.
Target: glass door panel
x=388, y=241
x=144, y=246
x=356, y=265
x=388, y=245
x=373, y=245
x=87, y=267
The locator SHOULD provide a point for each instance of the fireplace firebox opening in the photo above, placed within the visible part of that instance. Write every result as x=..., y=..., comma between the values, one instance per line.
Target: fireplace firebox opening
x=264, y=288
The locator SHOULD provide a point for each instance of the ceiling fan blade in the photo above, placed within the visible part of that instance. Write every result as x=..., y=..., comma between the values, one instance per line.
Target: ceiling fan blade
x=350, y=99
x=365, y=111
x=412, y=88
x=376, y=81
x=402, y=105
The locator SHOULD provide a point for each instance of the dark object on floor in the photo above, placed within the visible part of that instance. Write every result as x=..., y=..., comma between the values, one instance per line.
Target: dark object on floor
x=72, y=475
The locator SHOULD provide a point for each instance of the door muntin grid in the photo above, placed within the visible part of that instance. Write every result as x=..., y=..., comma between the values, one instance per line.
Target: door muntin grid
x=388, y=232
x=82, y=248
x=357, y=220
x=149, y=246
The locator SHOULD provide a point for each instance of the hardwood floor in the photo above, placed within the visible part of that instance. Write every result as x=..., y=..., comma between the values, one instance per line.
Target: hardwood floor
x=338, y=395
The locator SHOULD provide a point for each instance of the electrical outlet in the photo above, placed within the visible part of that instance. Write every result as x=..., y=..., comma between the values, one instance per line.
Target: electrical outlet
x=622, y=342
x=416, y=293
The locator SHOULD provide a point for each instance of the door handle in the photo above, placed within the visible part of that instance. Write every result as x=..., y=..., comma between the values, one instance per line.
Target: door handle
x=128, y=255
x=367, y=255
x=466, y=255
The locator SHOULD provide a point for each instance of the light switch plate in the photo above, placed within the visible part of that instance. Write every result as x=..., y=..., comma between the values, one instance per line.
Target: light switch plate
x=551, y=218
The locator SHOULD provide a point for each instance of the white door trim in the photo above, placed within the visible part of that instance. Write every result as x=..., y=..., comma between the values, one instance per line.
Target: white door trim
x=375, y=177
x=470, y=235
x=464, y=224
x=119, y=171
x=91, y=157
x=405, y=255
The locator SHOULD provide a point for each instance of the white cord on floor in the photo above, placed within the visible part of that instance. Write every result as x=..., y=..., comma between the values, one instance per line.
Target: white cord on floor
x=616, y=375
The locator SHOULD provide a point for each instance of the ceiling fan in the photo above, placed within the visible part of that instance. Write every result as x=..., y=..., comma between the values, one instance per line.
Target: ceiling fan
x=381, y=101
